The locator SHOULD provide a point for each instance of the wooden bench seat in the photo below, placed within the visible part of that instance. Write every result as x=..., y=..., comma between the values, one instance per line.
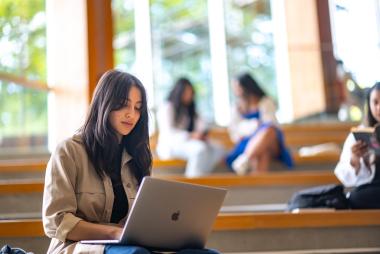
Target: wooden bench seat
x=247, y=232
x=296, y=135
x=304, y=231
x=268, y=188
x=240, y=221
x=323, y=158
x=9, y=166
x=218, y=180
x=40, y=166
x=265, y=179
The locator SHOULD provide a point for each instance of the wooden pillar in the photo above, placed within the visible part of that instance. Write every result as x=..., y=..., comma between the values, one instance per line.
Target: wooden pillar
x=79, y=50
x=332, y=91
x=306, y=71
x=100, y=37
x=67, y=68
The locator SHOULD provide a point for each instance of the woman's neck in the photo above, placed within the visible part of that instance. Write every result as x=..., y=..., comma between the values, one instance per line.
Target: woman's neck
x=119, y=138
x=250, y=105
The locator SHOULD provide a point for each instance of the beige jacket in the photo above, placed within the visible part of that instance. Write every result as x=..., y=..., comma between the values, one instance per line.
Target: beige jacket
x=73, y=192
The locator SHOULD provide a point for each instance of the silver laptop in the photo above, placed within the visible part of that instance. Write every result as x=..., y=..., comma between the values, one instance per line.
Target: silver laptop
x=168, y=215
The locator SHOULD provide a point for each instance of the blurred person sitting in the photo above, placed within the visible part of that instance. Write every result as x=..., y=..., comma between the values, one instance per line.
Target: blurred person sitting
x=254, y=129
x=184, y=134
x=358, y=163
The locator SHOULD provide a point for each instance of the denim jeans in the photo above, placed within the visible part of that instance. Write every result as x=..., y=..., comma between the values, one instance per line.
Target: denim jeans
x=124, y=249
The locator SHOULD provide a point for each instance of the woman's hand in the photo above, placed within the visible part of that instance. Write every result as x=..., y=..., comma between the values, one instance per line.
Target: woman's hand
x=84, y=230
x=359, y=150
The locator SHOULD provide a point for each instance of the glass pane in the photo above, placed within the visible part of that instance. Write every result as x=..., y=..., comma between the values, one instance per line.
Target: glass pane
x=124, y=34
x=250, y=45
x=180, y=38
x=23, y=111
x=356, y=26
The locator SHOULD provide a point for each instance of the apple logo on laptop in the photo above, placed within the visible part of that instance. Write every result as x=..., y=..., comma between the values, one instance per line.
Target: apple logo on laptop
x=175, y=216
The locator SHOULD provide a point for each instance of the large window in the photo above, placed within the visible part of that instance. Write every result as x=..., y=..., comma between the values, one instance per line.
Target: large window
x=356, y=27
x=124, y=34
x=180, y=41
x=250, y=46
x=206, y=41
x=23, y=98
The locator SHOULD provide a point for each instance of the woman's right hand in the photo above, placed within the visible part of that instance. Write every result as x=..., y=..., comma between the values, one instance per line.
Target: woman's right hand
x=85, y=230
x=358, y=150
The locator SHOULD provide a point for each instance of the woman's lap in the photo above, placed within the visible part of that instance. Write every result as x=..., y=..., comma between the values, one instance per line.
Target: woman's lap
x=365, y=196
x=123, y=249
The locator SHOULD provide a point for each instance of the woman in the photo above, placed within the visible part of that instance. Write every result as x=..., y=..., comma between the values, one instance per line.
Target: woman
x=255, y=129
x=183, y=134
x=358, y=163
x=92, y=178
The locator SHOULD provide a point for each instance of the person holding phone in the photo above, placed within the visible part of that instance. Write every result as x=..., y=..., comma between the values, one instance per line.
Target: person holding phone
x=184, y=134
x=359, y=165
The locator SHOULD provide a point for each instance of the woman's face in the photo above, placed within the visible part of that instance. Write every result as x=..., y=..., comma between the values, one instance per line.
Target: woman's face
x=124, y=119
x=242, y=102
x=187, y=96
x=374, y=104
x=237, y=89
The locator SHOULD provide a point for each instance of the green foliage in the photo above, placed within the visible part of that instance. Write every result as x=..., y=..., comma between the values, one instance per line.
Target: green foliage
x=250, y=44
x=180, y=38
x=124, y=33
x=23, y=111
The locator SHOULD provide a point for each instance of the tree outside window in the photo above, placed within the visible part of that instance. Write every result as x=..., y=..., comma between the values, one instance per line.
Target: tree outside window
x=23, y=111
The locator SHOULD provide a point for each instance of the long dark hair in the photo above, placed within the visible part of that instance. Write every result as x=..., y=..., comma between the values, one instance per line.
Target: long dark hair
x=370, y=119
x=250, y=86
x=100, y=138
x=175, y=97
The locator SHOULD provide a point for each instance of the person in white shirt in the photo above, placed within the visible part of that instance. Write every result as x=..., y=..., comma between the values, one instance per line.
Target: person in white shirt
x=357, y=166
x=183, y=134
x=254, y=129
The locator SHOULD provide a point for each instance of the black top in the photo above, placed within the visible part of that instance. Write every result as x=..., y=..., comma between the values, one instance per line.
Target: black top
x=376, y=178
x=120, y=204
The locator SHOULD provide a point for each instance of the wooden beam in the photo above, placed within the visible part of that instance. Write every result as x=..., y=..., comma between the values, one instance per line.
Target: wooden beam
x=33, y=84
x=100, y=39
x=332, y=91
x=304, y=58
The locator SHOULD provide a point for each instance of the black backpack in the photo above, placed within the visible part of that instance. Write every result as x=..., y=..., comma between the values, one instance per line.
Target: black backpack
x=326, y=196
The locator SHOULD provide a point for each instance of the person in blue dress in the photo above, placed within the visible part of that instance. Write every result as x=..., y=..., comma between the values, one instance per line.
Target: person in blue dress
x=254, y=129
